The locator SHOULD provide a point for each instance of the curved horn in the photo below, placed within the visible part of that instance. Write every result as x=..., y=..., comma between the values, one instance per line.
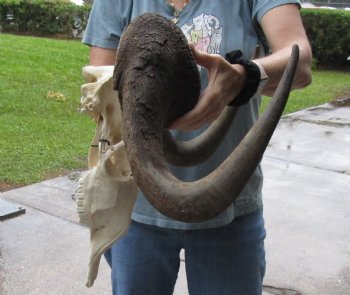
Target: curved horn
x=154, y=61
x=200, y=148
x=150, y=76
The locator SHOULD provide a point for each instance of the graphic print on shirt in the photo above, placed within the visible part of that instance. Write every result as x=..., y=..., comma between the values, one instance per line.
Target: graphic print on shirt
x=205, y=33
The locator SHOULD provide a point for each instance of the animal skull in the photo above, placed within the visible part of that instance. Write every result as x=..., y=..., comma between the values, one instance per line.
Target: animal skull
x=107, y=193
x=100, y=101
x=157, y=81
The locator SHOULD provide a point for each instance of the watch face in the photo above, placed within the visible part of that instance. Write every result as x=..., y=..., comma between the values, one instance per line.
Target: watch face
x=263, y=78
x=262, y=84
x=263, y=75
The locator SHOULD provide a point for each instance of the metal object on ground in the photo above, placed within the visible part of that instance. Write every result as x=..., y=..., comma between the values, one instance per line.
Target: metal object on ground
x=9, y=210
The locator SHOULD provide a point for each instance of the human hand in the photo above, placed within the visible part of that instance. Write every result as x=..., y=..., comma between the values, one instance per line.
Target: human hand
x=225, y=81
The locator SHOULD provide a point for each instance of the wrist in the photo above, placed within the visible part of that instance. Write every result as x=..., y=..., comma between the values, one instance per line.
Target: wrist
x=263, y=77
x=255, y=78
x=240, y=76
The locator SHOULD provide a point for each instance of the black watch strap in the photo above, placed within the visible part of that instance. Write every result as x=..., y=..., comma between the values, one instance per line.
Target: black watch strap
x=252, y=80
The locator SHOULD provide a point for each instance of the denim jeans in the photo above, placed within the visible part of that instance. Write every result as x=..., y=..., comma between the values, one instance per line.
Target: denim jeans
x=228, y=260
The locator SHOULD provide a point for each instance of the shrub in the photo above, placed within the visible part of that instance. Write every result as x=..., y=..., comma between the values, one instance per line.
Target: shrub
x=329, y=34
x=43, y=17
x=327, y=30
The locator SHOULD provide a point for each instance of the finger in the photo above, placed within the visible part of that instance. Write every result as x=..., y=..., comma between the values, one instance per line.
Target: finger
x=203, y=112
x=196, y=123
x=187, y=122
x=202, y=58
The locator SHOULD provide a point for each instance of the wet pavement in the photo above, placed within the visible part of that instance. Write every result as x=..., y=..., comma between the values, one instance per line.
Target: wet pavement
x=307, y=212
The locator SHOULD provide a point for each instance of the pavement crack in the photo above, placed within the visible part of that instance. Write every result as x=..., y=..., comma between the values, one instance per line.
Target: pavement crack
x=41, y=210
x=347, y=172
x=280, y=291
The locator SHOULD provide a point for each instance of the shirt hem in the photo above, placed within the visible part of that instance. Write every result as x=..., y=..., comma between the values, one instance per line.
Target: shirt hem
x=173, y=224
x=102, y=43
x=272, y=5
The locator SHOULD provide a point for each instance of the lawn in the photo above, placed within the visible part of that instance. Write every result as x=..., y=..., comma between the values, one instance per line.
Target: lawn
x=326, y=86
x=42, y=133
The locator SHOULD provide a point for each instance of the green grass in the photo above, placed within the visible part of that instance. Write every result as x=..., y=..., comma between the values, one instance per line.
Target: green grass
x=326, y=86
x=39, y=136
x=42, y=137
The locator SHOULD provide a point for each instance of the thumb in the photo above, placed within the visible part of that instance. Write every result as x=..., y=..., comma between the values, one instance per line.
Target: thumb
x=202, y=58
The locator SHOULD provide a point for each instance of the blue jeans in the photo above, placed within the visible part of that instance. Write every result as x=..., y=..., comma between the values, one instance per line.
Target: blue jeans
x=228, y=260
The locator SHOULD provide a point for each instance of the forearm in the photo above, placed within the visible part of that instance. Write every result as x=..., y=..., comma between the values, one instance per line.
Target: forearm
x=102, y=56
x=275, y=64
x=281, y=38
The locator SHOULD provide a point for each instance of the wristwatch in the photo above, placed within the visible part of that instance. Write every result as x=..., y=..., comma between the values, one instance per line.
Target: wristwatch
x=263, y=77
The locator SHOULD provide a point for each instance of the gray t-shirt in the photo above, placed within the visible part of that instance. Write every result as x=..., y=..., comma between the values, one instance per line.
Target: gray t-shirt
x=216, y=27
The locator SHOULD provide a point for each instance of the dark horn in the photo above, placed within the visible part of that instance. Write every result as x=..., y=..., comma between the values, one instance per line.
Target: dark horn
x=154, y=75
x=200, y=148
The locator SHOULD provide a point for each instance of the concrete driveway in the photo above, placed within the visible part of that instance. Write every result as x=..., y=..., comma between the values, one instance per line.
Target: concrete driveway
x=307, y=212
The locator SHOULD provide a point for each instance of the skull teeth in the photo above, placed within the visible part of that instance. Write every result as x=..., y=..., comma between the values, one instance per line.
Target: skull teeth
x=83, y=215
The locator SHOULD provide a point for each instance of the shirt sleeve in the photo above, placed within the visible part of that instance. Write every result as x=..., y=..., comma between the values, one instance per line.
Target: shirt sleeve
x=107, y=20
x=260, y=7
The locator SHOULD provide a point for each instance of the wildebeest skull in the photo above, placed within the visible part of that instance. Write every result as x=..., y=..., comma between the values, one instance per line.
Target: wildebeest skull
x=107, y=193
x=157, y=81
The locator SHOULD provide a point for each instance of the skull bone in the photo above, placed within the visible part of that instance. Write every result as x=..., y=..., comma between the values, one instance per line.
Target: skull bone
x=107, y=193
